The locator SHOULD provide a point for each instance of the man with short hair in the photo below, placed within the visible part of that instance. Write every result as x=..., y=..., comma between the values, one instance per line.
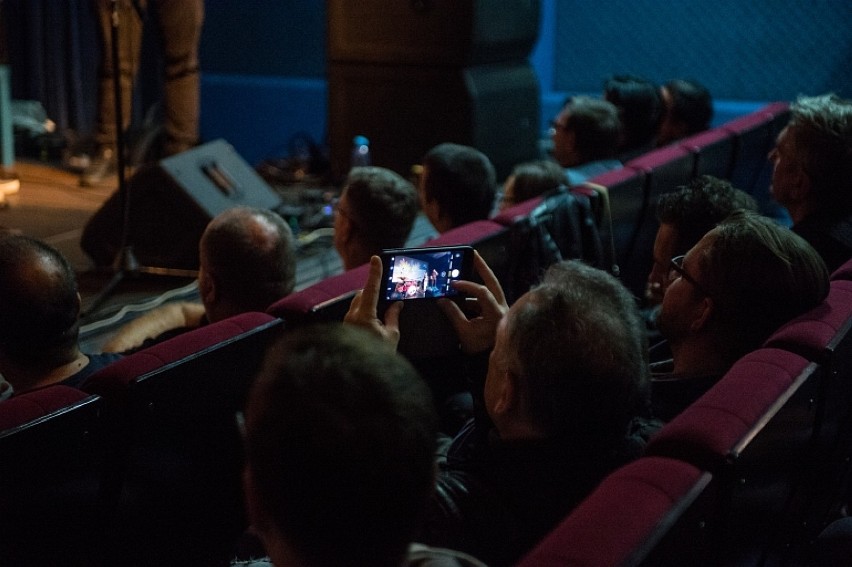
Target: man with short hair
x=247, y=263
x=340, y=440
x=743, y=280
x=566, y=380
x=639, y=110
x=687, y=110
x=685, y=215
x=39, y=318
x=812, y=174
x=585, y=137
x=376, y=210
x=457, y=186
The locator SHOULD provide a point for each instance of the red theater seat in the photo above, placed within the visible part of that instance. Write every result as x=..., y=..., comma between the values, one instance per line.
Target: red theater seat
x=51, y=466
x=844, y=272
x=176, y=450
x=713, y=151
x=655, y=508
x=324, y=301
x=824, y=334
x=754, y=430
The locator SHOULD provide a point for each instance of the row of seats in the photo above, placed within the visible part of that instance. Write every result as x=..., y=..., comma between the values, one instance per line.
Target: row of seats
x=747, y=475
x=148, y=456
x=143, y=466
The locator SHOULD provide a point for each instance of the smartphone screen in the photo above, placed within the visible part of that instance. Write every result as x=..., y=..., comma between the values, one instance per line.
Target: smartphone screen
x=424, y=273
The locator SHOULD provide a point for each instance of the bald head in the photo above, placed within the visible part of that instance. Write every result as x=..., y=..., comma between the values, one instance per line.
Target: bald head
x=247, y=254
x=39, y=304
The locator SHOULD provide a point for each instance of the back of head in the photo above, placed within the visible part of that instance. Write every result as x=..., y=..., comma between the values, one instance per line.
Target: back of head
x=39, y=305
x=534, y=178
x=462, y=180
x=596, y=127
x=340, y=438
x=639, y=107
x=250, y=255
x=695, y=208
x=691, y=104
x=382, y=206
x=822, y=135
x=759, y=275
x=580, y=347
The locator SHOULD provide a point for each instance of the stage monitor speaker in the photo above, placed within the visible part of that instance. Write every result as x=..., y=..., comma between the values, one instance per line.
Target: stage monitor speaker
x=405, y=111
x=171, y=203
x=437, y=32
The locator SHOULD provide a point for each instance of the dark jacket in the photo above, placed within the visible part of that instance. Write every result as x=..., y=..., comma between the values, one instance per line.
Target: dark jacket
x=497, y=499
x=830, y=234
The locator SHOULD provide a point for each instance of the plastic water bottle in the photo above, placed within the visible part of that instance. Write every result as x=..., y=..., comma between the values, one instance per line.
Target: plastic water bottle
x=360, y=151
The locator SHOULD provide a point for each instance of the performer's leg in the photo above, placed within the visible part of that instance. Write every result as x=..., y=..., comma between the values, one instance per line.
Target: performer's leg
x=130, y=37
x=180, y=23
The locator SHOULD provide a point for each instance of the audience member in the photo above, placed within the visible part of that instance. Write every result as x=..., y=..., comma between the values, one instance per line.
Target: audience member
x=686, y=214
x=743, y=280
x=247, y=263
x=812, y=174
x=376, y=210
x=585, y=138
x=687, y=110
x=566, y=378
x=340, y=440
x=457, y=186
x=639, y=109
x=531, y=179
x=39, y=318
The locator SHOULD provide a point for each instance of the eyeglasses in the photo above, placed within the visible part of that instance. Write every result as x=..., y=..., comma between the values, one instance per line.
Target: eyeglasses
x=676, y=270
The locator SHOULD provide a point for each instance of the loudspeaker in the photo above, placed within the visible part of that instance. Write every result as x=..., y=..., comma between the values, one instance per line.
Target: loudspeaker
x=433, y=32
x=406, y=110
x=171, y=203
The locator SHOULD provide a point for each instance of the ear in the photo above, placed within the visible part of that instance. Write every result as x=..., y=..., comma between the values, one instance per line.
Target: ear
x=507, y=394
x=704, y=313
x=206, y=288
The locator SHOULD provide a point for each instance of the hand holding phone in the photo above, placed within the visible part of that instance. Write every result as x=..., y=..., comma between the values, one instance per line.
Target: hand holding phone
x=477, y=331
x=363, y=311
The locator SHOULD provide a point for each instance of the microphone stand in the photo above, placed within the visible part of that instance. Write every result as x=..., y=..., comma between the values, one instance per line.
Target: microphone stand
x=125, y=263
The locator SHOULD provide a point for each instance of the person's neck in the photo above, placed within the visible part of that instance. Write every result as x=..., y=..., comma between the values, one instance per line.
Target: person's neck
x=355, y=255
x=801, y=210
x=23, y=377
x=697, y=357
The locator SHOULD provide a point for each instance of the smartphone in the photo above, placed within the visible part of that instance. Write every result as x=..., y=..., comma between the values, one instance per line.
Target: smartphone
x=424, y=273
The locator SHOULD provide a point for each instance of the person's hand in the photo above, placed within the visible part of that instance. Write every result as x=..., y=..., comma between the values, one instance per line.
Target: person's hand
x=363, y=310
x=476, y=334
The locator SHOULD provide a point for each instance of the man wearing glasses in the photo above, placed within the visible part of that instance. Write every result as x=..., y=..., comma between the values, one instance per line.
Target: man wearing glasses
x=725, y=296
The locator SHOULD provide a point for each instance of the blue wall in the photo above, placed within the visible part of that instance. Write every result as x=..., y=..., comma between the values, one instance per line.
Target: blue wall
x=741, y=50
x=264, y=60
